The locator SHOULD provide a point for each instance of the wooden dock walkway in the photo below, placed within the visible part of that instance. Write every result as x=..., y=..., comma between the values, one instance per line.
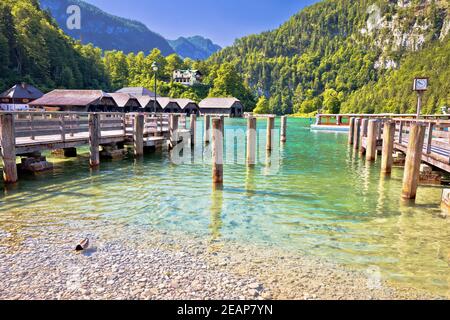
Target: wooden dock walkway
x=26, y=134
x=424, y=142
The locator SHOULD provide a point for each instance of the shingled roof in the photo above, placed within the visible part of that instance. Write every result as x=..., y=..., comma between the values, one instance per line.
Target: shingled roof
x=137, y=91
x=122, y=99
x=164, y=101
x=184, y=102
x=22, y=91
x=70, y=98
x=218, y=103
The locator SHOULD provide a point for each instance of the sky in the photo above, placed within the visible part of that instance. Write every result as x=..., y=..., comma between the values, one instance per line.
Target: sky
x=219, y=20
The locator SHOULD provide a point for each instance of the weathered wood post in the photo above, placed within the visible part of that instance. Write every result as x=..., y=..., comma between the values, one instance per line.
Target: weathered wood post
x=270, y=127
x=372, y=135
x=222, y=119
x=362, y=135
x=173, y=130
x=251, y=141
x=184, y=121
x=217, y=151
x=94, y=139
x=388, y=147
x=351, y=130
x=207, y=126
x=356, y=133
x=413, y=160
x=8, y=144
x=193, y=128
x=283, y=128
x=138, y=135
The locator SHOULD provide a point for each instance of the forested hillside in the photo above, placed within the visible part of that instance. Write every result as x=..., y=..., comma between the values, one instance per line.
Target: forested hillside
x=33, y=49
x=196, y=48
x=321, y=56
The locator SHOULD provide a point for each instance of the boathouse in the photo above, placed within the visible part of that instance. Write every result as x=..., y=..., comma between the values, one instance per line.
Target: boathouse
x=126, y=102
x=18, y=97
x=148, y=104
x=169, y=105
x=224, y=106
x=188, y=106
x=76, y=101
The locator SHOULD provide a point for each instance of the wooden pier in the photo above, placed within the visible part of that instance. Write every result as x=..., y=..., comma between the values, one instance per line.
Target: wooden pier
x=424, y=141
x=30, y=133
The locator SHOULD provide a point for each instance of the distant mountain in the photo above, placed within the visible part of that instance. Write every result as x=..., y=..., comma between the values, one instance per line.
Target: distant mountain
x=197, y=47
x=105, y=30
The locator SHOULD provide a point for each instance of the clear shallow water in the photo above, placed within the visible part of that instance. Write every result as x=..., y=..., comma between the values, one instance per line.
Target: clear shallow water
x=322, y=201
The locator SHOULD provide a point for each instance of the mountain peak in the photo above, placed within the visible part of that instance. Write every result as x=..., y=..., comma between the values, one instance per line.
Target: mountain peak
x=105, y=30
x=194, y=47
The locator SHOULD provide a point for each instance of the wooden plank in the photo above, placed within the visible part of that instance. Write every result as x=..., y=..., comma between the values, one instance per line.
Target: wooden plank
x=413, y=160
x=388, y=147
x=207, y=130
x=270, y=128
x=283, y=129
x=217, y=151
x=356, y=132
x=138, y=135
x=251, y=141
x=372, y=134
x=8, y=150
x=351, y=131
x=193, y=128
x=94, y=139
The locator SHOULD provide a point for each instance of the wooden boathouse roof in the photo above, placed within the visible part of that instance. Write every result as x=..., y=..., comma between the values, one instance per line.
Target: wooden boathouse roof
x=137, y=91
x=218, y=103
x=124, y=99
x=22, y=91
x=71, y=98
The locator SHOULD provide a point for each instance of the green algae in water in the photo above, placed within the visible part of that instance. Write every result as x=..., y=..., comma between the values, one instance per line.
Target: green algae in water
x=323, y=201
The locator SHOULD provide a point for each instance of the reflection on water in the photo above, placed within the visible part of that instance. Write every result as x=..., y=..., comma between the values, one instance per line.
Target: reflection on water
x=322, y=200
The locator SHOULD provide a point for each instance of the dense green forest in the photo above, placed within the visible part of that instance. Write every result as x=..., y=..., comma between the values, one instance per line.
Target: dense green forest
x=336, y=56
x=33, y=49
x=322, y=56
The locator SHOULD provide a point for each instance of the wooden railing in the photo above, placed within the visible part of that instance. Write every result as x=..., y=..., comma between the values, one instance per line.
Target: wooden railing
x=437, y=137
x=344, y=119
x=31, y=125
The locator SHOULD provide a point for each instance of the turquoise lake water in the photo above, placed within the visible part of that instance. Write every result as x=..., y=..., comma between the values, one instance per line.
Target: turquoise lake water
x=318, y=199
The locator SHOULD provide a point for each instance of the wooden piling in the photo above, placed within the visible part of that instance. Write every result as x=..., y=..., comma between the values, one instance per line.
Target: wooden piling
x=413, y=160
x=173, y=130
x=362, y=135
x=351, y=131
x=138, y=135
x=94, y=139
x=251, y=141
x=222, y=119
x=8, y=144
x=356, y=133
x=388, y=147
x=217, y=151
x=193, y=128
x=283, y=128
x=207, y=126
x=372, y=134
x=270, y=127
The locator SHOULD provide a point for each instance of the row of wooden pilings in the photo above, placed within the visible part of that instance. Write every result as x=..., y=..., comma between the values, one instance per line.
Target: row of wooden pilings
x=359, y=128
x=214, y=132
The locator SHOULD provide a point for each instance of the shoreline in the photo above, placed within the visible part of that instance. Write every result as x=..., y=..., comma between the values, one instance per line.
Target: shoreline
x=179, y=267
